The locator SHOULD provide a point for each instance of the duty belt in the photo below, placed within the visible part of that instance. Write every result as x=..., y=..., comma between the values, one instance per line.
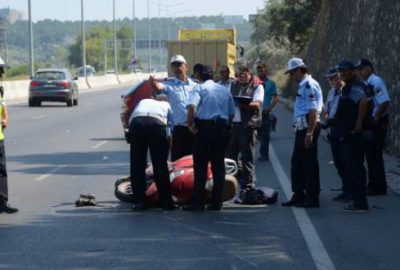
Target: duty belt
x=301, y=122
x=152, y=115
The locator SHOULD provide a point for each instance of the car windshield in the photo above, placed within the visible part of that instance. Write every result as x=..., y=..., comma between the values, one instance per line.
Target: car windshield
x=50, y=75
x=132, y=89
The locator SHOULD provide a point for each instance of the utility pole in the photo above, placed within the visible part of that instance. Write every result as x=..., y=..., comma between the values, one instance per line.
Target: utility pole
x=134, y=34
x=83, y=40
x=148, y=30
x=115, y=42
x=159, y=40
x=31, y=59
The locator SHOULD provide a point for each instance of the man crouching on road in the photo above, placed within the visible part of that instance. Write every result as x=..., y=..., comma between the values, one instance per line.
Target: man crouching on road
x=148, y=129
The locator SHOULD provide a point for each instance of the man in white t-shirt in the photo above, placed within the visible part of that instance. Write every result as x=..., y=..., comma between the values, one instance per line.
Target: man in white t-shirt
x=148, y=130
x=248, y=93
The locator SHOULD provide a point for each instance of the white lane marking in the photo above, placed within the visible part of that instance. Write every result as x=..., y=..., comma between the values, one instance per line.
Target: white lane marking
x=318, y=252
x=50, y=173
x=100, y=144
x=37, y=117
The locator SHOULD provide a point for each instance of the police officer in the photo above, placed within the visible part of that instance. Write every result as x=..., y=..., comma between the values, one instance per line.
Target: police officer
x=305, y=167
x=210, y=110
x=148, y=130
x=349, y=119
x=4, y=205
x=332, y=101
x=380, y=121
x=271, y=98
x=246, y=121
x=177, y=89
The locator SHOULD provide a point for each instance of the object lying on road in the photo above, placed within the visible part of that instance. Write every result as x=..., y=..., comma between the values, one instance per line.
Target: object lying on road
x=181, y=183
x=260, y=195
x=86, y=199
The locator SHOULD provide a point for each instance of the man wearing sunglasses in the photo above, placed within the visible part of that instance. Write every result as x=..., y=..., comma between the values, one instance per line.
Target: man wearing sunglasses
x=177, y=89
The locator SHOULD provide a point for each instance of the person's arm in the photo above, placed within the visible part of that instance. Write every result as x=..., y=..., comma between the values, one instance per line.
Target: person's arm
x=257, y=101
x=194, y=100
x=157, y=87
x=381, y=110
x=312, y=123
x=4, y=117
x=275, y=97
x=363, y=109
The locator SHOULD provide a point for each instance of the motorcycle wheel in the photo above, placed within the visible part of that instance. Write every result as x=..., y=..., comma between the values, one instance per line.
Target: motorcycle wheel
x=123, y=190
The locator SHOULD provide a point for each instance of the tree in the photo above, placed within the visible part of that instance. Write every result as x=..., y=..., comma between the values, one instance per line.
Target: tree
x=98, y=41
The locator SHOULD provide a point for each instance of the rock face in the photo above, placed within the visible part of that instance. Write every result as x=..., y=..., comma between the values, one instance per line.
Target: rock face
x=356, y=29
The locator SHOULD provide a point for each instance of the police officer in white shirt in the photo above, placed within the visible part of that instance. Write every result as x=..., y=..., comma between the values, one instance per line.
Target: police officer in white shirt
x=305, y=167
x=148, y=130
x=380, y=121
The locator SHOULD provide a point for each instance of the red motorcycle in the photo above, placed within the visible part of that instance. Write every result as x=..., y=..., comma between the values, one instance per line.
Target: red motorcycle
x=182, y=179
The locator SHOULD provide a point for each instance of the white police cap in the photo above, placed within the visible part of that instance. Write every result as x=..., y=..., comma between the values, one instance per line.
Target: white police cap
x=178, y=58
x=294, y=63
x=3, y=64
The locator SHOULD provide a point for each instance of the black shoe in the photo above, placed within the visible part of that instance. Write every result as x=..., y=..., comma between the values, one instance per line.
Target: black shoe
x=7, y=208
x=308, y=203
x=371, y=192
x=139, y=207
x=193, y=208
x=212, y=207
x=294, y=200
x=342, y=198
x=355, y=209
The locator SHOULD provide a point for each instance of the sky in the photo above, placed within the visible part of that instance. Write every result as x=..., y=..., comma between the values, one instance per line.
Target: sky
x=102, y=9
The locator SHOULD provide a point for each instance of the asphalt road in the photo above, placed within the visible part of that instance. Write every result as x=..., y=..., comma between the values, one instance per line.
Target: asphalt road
x=55, y=153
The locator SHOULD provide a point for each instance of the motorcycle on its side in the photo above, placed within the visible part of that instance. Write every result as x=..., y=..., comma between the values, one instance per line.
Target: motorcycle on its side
x=181, y=177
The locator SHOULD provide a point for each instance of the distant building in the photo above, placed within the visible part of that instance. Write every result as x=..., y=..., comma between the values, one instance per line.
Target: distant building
x=12, y=15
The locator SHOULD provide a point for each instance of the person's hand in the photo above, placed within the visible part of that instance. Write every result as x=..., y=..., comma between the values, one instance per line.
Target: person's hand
x=3, y=123
x=308, y=141
x=192, y=129
x=357, y=129
x=151, y=79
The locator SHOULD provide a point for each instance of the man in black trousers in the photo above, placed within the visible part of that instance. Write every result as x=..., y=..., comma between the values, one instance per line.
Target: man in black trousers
x=4, y=205
x=210, y=110
x=148, y=130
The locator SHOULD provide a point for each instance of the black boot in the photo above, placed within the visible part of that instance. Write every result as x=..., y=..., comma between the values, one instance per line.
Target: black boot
x=7, y=208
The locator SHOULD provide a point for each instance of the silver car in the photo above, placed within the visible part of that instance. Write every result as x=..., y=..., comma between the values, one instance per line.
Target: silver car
x=53, y=84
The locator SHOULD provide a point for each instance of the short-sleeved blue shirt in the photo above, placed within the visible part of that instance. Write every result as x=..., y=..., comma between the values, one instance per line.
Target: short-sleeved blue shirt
x=212, y=101
x=308, y=97
x=178, y=92
x=381, y=94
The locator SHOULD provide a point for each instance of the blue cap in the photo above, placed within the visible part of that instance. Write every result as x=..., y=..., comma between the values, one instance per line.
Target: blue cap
x=364, y=62
x=345, y=65
x=331, y=73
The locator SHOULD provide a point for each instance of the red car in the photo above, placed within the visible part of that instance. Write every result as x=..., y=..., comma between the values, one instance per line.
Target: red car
x=182, y=180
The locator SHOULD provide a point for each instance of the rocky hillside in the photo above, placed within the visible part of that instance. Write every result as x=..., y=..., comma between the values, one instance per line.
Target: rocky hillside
x=361, y=28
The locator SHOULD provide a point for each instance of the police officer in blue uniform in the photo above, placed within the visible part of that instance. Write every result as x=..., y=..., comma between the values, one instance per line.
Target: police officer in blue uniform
x=380, y=121
x=177, y=89
x=211, y=108
x=305, y=166
x=329, y=112
x=349, y=120
x=148, y=130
